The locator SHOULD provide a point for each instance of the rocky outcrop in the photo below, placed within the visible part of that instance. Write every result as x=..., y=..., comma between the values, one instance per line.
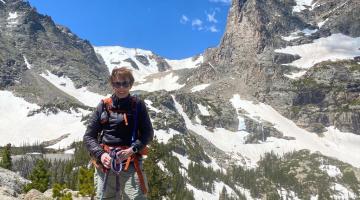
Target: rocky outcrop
x=33, y=44
x=11, y=184
x=246, y=54
x=167, y=117
x=328, y=95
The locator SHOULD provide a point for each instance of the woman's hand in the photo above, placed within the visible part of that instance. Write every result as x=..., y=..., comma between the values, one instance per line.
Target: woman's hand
x=124, y=154
x=105, y=160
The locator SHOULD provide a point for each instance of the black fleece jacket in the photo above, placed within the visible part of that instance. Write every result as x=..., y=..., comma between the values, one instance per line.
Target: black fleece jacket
x=116, y=132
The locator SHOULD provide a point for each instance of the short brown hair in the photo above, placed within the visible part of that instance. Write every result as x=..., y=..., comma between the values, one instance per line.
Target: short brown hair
x=122, y=72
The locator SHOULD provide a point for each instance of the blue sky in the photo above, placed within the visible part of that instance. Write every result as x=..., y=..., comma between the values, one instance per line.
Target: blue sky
x=171, y=28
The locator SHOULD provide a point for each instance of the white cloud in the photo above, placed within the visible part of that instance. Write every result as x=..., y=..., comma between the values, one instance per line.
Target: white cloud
x=184, y=19
x=197, y=23
x=221, y=1
x=211, y=17
x=213, y=29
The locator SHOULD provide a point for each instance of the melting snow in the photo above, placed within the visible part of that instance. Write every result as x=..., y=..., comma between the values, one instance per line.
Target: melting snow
x=82, y=94
x=334, y=47
x=199, y=87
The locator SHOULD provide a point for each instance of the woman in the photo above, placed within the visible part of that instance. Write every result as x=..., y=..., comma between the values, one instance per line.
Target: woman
x=118, y=132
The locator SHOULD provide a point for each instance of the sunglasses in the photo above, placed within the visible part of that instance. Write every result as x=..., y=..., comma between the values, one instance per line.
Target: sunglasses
x=124, y=84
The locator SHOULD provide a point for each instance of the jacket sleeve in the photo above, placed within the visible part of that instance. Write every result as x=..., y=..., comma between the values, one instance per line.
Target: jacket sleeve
x=90, y=138
x=145, y=127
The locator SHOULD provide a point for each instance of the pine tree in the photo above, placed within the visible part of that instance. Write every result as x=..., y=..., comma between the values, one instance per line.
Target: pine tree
x=86, y=182
x=156, y=178
x=40, y=177
x=6, y=157
x=59, y=192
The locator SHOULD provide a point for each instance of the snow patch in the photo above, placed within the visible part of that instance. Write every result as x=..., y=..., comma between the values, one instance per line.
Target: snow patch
x=334, y=47
x=28, y=65
x=301, y=5
x=161, y=165
x=331, y=170
x=12, y=15
x=82, y=94
x=343, y=192
x=12, y=19
x=285, y=194
x=296, y=34
x=225, y=140
x=149, y=105
x=37, y=128
x=165, y=135
x=203, y=110
x=70, y=151
x=296, y=75
x=203, y=195
x=320, y=24
x=167, y=82
x=3, y=1
x=199, y=87
x=334, y=143
x=185, y=63
x=242, y=125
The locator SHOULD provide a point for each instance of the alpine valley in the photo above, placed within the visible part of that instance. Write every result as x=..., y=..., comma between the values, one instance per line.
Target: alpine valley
x=272, y=112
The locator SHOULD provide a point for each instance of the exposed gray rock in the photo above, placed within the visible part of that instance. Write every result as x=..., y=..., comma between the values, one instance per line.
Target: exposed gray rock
x=7, y=193
x=12, y=180
x=259, y=132
x=132, y=63
x=161, y=63
x=142, y=59
x=328, y=96
x=34, y=194
x=222, y=113
x=47, y=47
x=168, y=117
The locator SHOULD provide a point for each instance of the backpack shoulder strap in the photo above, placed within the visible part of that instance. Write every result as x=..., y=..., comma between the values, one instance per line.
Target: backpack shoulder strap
x=108, y=103
x=106, y=109
x=135, y=105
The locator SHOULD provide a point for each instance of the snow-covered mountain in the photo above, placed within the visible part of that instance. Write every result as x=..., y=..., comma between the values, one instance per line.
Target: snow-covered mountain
x=284, y=78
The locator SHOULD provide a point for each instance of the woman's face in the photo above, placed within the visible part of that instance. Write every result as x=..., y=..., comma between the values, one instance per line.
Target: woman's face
x=121, y=87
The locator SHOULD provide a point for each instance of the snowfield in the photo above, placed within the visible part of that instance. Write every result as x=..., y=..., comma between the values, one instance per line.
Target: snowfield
x=334, y=47
x=17, y=128
x=66, y=85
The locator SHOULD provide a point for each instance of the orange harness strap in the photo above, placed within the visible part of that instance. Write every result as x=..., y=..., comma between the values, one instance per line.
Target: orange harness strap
x=134, y=158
